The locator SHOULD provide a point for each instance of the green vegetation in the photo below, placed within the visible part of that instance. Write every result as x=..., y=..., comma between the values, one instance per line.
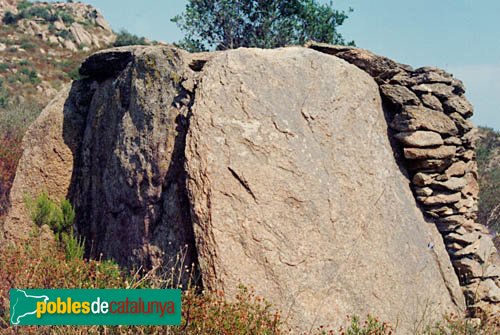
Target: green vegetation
x=59, y=217
x=15, y=116
x=488, y=159
x=27, y=45
x=124, y=38
x=4, y=96
x=74, y=74
x=28, y=10
x=66, y=17
x=23, y=5
x=64, y=34
x=227, y=24
x=10, y=18
x=4, y=67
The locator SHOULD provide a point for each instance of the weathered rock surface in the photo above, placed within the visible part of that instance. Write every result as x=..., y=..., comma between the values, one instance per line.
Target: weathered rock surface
x=46, y=164
x=129, y=185
x=415, y=118
x=437, y=169
x=274, y=198
x=282, y=175
x=437, y=153
x=420, y=139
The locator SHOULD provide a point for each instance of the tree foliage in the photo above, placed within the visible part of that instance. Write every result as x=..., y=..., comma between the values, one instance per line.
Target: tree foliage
x=229, y=24
x=124, y=38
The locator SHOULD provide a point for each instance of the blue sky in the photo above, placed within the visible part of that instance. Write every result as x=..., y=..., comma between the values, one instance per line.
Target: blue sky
x=461, y=36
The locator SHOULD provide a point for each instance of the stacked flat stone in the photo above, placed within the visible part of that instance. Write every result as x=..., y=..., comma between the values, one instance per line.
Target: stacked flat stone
x=429, y=117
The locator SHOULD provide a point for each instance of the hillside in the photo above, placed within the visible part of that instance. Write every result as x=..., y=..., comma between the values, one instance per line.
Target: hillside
x=488, y=158
x=41, y=48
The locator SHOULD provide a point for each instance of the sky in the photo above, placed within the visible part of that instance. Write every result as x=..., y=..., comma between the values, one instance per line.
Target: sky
x=460, y=36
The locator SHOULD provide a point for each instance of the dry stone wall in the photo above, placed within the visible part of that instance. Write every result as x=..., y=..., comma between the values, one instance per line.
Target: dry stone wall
x=429, y=118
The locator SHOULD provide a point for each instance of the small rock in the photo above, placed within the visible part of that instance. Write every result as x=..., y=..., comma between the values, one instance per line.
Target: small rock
x=399, y=95
x=466, y=239
x=486, y=290
x=59, y=25
x=81, y=36
x=481, y=249
x=68, y=44
x=453, y=141
x=453, y=247
x=454, y=219
x=472, y=226
x=460, y=105
x=423, y=191
x=430, y=165
x=441, y=211
x=446, y=227
x=452, y=184
x=402, y=78
x=423, y=179
x=419, y=117
x=432, y=102
x=467, y=202
x=456, y=169
x=419, y=138
x=435, y=153
x=468, y=268
x=462, y=124
x=468, y=155
x=53, y=39
x=440, y=90
x=472, y=186
x=440, y=199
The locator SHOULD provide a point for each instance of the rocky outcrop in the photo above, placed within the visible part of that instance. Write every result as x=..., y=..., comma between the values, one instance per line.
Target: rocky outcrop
x=72, y=26
x=269, y=168
x=429, y=118
x=299, y=195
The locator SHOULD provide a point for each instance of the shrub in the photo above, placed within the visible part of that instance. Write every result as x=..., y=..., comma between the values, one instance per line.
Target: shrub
x=10, y=18
x=66, y=17
x=15, y=117
x=33, y=78
x=371, y=326
x=74, y=74
x=4, y=67
x=64, y=34
x=23, y=5
x=124, y=38
x=26, y=45
x=24, y=62
x=59, y=217
x=37, y=11
x=52, y=27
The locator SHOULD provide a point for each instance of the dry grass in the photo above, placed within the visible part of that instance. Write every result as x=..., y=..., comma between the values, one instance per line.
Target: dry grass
x=36, y=265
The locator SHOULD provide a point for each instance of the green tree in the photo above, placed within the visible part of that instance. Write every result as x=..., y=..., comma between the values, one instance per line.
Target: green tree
x=229, y=24
x=124, y=38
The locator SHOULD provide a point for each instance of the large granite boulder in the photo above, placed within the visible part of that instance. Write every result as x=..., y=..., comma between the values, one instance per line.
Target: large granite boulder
x=267, y=168
x=295, y=191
